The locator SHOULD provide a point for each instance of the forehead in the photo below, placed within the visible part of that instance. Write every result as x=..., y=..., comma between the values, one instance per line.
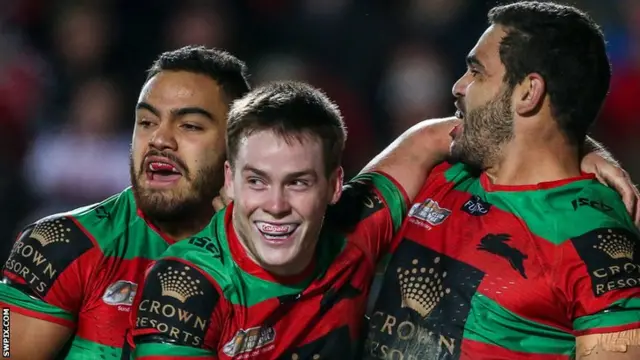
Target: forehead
x=487, y=49
x=176, y=89
x=271, y=153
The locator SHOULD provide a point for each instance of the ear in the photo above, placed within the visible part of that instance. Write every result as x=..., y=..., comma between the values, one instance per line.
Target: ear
x=228, y=180
x=336, y=181
x=529, y=94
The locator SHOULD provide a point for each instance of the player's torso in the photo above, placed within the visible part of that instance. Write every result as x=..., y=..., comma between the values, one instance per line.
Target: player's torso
x=465, y=277
x=323, y=321
x=103, y=319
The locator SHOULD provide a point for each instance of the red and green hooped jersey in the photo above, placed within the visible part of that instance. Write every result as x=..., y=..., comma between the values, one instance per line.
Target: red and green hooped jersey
x=81, y=269
x=482, y=271
x=205, y=298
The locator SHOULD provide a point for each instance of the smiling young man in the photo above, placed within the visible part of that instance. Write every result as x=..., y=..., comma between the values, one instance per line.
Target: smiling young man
x=276, y=275
x=528, y=258
x=71, y=278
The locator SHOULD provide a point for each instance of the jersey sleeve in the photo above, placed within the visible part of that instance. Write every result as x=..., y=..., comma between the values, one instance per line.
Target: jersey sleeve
x=599, y=272
x=178, y=313
x=371, y=210
x=47, y=271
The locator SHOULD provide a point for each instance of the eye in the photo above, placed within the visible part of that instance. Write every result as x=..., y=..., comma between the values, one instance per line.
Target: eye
x=144, y=122
x=299, y=184
x=474, y=72
x=256, y=183
x=191, y=127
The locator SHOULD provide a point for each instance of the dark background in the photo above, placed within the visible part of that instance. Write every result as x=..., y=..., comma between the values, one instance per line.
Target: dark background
x=70, y=73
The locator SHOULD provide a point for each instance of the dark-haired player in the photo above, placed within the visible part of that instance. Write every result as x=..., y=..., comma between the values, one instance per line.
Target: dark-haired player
x=71, y=278
x=530, y=258
x=281, y=274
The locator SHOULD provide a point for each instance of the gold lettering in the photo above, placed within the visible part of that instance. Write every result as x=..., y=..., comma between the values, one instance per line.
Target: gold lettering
x=407, y=335
x=394, y=352
x=162, y=327
x=168, y=311
x=24, y=272
x=27, y=251
x=38, y=258
x=200, y=323
x=450, y=344
x=388, y=323
x=49, y=270
x=41, y=286
x=184, y=316
x=175, y=333
x=601, y=273
x=614, y=269
x=143, y=303
x=599, y=289
x=629, y=267
x=154, y=307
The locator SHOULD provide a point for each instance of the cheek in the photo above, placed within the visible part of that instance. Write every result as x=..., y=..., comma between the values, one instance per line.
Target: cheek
x=310, y=206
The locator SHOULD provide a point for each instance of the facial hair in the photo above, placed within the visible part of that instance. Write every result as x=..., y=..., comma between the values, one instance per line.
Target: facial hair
x=181, y=204
x=486, y=129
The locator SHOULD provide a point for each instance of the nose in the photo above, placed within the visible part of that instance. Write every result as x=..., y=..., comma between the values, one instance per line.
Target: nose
x=459, y=88
x=164, y=138
x=278, y=205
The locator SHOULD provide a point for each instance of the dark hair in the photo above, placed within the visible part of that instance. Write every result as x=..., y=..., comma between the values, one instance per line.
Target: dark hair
x=291, y=110
x=227, y=70
x=567, y=48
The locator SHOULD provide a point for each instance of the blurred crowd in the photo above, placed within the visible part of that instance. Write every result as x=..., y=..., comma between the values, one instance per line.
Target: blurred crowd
x=70, y=73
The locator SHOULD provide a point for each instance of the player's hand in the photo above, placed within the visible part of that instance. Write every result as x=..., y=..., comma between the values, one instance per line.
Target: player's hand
x=612, y=175
x=222, y=200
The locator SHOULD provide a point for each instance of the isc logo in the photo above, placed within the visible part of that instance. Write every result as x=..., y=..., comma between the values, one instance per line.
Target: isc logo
x=598, y=205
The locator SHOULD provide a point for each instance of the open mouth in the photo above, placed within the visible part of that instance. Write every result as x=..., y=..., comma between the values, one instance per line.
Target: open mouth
x=162, y=169
x=276, y=232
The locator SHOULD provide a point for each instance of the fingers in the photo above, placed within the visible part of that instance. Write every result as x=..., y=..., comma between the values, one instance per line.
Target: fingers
x=218, y=204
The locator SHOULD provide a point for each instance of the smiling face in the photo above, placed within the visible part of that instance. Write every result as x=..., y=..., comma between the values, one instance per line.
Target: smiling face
x=281, y=192
x=178, y=147
x=484, y=103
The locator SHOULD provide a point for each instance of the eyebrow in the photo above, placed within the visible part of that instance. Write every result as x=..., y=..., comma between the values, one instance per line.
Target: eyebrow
x=472, y=60
x=297, y=174
x=175, y=112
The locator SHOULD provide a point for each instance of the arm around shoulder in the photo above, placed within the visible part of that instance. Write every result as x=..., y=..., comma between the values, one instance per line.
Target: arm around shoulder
x=412, y=156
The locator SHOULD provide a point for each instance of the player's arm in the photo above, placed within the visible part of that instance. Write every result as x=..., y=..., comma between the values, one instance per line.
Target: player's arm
x=410, y=158
x=42, y=287
x=178, y=314
x=621, y=345
x=601, y=284
x=599, y=161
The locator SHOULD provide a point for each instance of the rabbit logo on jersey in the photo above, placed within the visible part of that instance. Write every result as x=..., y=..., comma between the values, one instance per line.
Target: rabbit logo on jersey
x=428, y=214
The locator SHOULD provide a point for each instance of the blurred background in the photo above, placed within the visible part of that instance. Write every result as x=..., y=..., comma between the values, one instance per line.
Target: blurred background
x=70, y=73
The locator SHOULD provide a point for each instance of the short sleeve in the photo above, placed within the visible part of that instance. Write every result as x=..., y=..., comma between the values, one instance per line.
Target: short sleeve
x=49, y=258
x=176, y=313
x=602, y=280
x=370, y=210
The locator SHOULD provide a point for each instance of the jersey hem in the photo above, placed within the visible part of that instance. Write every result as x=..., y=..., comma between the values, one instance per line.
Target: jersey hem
x=608, y=329
x=38, y=315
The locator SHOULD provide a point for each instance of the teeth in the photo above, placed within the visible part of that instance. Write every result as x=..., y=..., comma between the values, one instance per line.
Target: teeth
x=459, y=114
x=160, y=166
x=276, y=230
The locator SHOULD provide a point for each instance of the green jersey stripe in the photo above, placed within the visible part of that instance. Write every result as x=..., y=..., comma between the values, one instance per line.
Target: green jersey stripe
x=391, y=192
x=571, y=218
x=168, y=350
x=626, y=311
x=490, y=323
x=81, y=347
x=15, y=297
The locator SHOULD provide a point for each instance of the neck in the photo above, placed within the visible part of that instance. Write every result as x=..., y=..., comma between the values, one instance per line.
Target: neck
x=535, y=156
x=182, y=229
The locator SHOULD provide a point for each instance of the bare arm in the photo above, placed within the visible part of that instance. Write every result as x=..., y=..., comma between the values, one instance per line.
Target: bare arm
x=412, y=156
x=624, y=345
x=35, y=339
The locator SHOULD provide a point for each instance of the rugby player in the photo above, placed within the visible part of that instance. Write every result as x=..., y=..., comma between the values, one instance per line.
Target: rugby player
x=71, y=278
x=279, y=275
x=528, y=258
